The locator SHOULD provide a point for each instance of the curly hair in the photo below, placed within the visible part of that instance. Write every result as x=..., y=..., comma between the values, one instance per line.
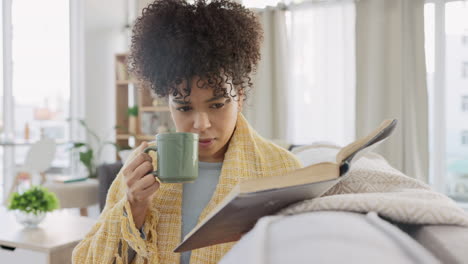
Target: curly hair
x=174, y=41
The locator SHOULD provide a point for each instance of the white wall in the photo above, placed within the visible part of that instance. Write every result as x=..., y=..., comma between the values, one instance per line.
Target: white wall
x=142, y=4
x=104, y=37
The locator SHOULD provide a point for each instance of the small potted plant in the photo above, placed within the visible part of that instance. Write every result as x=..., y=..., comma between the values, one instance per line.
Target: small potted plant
x=90, y=150
x=32, y=205
x=132, y=119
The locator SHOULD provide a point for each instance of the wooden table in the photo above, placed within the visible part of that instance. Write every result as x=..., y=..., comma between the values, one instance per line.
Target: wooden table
x=52, y=242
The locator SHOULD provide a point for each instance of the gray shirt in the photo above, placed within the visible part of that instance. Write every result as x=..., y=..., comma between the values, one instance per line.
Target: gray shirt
x=196, y=196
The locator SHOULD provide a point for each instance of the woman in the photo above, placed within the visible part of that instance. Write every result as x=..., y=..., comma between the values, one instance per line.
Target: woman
x=199, y=56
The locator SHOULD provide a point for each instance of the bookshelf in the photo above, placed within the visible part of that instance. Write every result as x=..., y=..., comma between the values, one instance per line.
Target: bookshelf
x=153, y=113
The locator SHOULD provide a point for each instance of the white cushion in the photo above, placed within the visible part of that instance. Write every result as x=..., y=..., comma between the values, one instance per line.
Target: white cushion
x=316, y=152
x=326, y=237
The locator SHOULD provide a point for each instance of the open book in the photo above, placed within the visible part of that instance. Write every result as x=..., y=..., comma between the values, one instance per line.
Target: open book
x=251, y=199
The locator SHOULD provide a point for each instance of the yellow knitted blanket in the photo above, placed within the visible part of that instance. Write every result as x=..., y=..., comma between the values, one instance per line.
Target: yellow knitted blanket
x=248, y=156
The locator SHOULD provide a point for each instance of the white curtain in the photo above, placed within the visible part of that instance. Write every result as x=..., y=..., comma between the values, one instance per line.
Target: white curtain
x=322, y=81
x=304, y=87
x=391, y=79
x=266, y=106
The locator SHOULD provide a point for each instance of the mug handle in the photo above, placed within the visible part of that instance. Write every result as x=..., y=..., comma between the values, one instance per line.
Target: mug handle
x=155, y=149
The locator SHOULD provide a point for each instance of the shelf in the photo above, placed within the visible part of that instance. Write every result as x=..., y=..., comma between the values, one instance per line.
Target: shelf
x=125, y=82
x=121, y=55
x=122, y=136
x=143, y=98
x=164, y=108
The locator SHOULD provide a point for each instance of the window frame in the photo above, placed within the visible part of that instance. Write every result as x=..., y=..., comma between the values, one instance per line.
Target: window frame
x=77, y=93
x=8, y=125
x=437, y=166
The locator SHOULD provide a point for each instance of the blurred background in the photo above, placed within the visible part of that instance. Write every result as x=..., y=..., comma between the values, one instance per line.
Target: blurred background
x=331, y=70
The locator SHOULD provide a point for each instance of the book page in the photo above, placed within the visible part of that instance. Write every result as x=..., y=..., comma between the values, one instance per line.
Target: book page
x=379, y=134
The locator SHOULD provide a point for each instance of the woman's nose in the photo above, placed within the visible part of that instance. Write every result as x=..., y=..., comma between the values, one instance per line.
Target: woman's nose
x=201, y=122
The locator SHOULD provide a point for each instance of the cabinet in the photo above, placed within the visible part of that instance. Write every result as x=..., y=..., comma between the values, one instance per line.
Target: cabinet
x=51, y=243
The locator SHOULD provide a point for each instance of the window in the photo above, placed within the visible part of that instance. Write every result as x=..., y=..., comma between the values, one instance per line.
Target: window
x=445, y=24
x=321, y=44
x=41, y=73
x=36, y=92
x=465, y=103
x=464, y=137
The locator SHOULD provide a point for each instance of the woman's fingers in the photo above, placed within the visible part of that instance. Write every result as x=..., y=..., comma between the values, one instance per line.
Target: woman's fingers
x=143, y=183
x=150, y=190
x=143, y=169
x=143, y=188
x=139, y=158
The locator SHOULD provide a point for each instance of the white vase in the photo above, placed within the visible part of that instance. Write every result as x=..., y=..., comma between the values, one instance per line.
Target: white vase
x=29, y=220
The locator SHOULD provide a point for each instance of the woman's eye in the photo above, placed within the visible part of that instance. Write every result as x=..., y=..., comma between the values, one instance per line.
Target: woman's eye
x=217, y=106
x=183, y=109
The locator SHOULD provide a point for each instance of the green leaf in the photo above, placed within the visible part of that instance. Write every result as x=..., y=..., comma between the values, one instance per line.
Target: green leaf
x=133, y=111
x=76, y=145
x=90, y=151
x=36, y=199
x=79, y=144
x=86, y=157
x=83, y=123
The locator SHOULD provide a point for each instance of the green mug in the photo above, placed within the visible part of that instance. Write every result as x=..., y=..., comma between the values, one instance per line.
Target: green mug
x=177, y=157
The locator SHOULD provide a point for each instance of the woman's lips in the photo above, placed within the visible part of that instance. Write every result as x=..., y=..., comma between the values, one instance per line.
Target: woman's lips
x=205, y=142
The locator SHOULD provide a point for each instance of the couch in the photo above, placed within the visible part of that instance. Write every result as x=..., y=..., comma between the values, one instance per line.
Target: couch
x=106, y=174
x=404, y=244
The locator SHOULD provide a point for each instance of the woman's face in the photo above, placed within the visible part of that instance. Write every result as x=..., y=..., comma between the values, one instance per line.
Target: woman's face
x=212, y=118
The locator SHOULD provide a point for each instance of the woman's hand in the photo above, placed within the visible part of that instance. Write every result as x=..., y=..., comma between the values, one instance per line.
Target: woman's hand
x=142, y=185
